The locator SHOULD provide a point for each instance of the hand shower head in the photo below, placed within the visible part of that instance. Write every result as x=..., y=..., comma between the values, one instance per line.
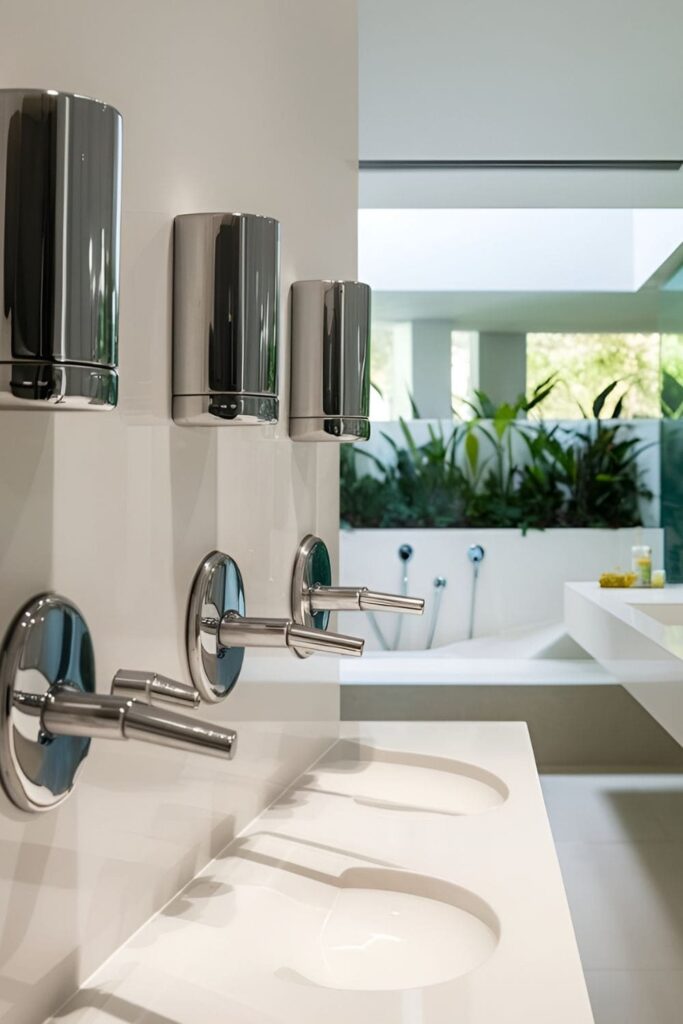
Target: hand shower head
x=475, y=553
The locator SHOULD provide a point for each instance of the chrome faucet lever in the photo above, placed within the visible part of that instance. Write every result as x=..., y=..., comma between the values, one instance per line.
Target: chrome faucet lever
x=67, y=711
x=50, y=710
x=360, y=599
x=152, y=688
x=235, y=630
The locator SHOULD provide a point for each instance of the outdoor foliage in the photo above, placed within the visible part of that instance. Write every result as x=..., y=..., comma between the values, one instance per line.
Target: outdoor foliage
x=499, y=469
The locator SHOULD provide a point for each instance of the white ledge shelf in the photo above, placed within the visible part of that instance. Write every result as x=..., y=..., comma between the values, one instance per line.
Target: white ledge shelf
x=636, y=634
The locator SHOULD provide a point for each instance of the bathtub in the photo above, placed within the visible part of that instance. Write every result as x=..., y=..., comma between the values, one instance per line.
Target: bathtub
x=539, y=654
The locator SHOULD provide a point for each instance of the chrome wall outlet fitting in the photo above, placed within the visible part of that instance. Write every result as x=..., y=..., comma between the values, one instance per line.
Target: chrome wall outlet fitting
x=218, y=630
x=50, y=710
x=313, y=596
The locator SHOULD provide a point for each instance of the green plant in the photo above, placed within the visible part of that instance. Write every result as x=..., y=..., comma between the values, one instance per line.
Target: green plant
x=494, y=498
x=499, y=470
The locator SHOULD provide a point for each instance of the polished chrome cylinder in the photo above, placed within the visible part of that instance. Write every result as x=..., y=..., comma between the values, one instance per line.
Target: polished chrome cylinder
x=154, y=689
x=352, y=599
x=60, y=198
x=225, y=319
x=236, y=630
x=311, y=641
x=167, y=729
x=70, y=712
x=240, y=631
x=330, y=387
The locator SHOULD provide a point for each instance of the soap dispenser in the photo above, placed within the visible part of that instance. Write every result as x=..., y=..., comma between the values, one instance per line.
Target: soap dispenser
x=60, y=212
x=330, y=387
x=225, y=319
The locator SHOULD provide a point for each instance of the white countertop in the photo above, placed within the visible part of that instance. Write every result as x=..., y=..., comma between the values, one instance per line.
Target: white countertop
x=314, y=913
x=655, y=612
x=636, y=634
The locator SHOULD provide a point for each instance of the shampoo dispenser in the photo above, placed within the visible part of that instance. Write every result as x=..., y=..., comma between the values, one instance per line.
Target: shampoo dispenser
x=225, y=319
x=330, y=388
x=60, y=186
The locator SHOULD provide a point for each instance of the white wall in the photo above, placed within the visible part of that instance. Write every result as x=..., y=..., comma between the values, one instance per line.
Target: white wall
x=226, y=107
x=521, y=580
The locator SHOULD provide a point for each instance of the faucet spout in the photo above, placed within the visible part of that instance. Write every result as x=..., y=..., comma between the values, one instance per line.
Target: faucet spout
x=68, y=711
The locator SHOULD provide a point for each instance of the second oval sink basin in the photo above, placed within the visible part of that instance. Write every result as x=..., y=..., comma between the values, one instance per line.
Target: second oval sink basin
x=393, y=930
x=404, y=781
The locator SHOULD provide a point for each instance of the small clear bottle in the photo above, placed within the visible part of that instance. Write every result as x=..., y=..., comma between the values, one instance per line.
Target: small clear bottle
x=641, y=564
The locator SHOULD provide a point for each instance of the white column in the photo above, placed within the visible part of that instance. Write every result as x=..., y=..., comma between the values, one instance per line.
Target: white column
x=432, y=368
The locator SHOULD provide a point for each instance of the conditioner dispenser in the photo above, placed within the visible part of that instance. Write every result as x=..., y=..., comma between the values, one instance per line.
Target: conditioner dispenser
x=330, y=396
x=60, y=186
x=225, y=319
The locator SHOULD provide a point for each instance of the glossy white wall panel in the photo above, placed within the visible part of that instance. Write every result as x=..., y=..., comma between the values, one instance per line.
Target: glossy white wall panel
x=227, y=105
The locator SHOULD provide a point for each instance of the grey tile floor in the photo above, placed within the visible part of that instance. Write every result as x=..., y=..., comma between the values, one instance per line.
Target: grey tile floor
x=619, y=840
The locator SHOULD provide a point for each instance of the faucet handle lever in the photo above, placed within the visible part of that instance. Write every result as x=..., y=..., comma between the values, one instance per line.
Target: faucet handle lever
x=154, y=689
x=353, y=599
x=237, y=630
x=70, y=712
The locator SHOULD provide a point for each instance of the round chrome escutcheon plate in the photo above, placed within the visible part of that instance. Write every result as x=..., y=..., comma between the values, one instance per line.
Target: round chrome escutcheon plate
x=311, y=568
x=48, y=643
x=217, y=588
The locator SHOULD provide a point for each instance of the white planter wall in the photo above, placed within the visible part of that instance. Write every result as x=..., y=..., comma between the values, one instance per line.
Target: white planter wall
x=521, y=580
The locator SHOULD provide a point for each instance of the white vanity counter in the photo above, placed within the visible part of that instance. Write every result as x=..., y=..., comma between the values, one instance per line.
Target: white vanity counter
x=408, y=878
x=636, y=634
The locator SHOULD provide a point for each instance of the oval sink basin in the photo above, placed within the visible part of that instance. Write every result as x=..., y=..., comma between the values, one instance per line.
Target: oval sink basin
x=407, y=782
x=390, y=930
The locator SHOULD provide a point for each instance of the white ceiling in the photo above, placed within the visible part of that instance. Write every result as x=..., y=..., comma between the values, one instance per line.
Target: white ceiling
x=532, y=250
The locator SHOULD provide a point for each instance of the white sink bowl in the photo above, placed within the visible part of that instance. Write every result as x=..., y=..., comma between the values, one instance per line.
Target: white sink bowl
x=390, y=930
x=666, y=614
x=406, y=782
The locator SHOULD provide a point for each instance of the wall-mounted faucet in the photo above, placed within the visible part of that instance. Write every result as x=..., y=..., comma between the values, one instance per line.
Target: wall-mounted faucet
x=314, y=597
x=218, y=630
x=49, y=710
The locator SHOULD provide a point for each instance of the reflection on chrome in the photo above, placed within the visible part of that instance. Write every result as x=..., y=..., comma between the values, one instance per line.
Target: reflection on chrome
x=59, y=286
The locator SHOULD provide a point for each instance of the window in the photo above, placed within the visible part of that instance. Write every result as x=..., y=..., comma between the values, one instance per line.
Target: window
x=587, y=363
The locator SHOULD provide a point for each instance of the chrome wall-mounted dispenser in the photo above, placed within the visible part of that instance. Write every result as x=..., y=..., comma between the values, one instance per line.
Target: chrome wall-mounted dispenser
x=225, y=319
x=218, y=630
x=330, y=387
x=60, y=187
x=49, y=710
x=314, y=597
